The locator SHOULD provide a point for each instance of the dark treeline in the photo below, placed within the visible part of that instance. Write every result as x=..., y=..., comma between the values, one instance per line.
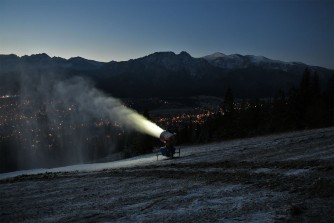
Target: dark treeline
x=305, y=107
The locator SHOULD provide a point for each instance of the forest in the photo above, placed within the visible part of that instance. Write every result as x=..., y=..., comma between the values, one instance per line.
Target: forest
x=305, y=107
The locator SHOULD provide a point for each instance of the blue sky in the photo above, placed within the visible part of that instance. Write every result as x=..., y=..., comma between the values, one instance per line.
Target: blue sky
x=105, y=30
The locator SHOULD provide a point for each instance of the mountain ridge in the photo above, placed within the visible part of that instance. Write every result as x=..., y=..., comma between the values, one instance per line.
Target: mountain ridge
x=167, y=74
x=256, y=59
x=215, y=54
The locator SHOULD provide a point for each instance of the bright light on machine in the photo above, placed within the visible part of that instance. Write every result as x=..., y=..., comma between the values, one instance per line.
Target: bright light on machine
x=169, y=139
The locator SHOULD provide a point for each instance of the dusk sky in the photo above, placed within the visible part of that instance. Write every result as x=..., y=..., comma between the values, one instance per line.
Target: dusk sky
x=105, y=30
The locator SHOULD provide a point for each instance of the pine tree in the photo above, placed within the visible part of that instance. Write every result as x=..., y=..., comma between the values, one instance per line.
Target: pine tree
x=279, y=112
x=330, y=99
x=227, y=127
x=228, y=105
x=315, y=85
x=305, y=88
x=304, y=98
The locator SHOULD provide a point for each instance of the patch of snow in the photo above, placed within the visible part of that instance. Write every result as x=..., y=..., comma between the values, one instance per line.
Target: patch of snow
x=295, y=172
x=258, y=59
x=263, y=170
x=131, y=162
x=214, y=56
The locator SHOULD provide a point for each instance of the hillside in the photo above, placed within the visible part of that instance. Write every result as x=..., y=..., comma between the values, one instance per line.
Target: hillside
x=274, y=178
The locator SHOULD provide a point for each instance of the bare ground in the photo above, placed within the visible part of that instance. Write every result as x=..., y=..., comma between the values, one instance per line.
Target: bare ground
x=279, y=178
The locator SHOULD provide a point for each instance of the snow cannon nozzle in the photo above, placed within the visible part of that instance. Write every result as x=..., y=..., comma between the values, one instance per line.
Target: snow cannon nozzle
x=168, y=138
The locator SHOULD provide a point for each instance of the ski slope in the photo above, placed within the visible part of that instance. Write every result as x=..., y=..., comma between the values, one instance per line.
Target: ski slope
x=285, y=177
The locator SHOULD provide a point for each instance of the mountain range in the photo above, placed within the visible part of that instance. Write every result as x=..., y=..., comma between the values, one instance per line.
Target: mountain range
x=165, y=74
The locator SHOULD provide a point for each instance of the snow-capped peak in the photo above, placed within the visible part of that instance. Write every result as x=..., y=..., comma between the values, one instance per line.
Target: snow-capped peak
x=257, y=59
x=237, y=61
x=214, y=56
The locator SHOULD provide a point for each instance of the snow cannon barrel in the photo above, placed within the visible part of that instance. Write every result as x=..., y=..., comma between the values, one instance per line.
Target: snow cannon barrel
x=168, y=138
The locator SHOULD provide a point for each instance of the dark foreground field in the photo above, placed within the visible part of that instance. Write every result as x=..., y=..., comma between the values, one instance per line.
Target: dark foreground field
x=279, y=178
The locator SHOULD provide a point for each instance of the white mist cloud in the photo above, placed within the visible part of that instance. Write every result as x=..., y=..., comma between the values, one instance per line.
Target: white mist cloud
x=93, y=103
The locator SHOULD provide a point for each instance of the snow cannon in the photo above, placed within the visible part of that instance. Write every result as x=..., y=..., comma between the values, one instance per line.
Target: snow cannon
x=168, y=150
x=168, y=138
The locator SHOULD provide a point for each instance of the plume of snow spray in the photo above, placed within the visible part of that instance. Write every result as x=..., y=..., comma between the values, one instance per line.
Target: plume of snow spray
x=92, y=102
